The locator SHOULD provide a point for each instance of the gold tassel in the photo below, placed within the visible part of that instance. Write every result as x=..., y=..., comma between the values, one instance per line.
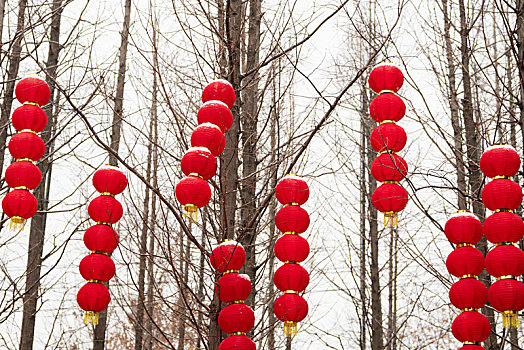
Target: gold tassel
x=390, y=219
x=191, y=212
x=91, y=317
x=510, y=319
x=16, y=222
x=290, y=329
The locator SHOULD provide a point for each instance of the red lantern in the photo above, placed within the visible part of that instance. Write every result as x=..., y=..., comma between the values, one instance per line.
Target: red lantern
x=386, y=77
x=209, y=136
x=199, y=161
x=215, y=112
x=465, y=261
x=507, y=296
x=99, y=267
x=290, y=308
x=468, y=293
x=93, y=298
x=220, y=90
x=502, y=194
x=237, y=342
x=101, y=238
x=463, y=227
x=105, y=209
x=472, y=347
x=26, y=145
x=229, y=255
x=32, y=89
x=503, y=227
x=236, y=318
x=500, y=160
x=387, y=107
x=193, y=193
x=471, y=326
x=505, y=260
x=389, y=167
x=23, y=174
x=109, y=179
x=19, y=205
x=291, y=277
x=292, y=219
x=233, y=287
x=292, y=189
x=388, y=137
x=29, y=117
x=291, y=248
x=390, y=198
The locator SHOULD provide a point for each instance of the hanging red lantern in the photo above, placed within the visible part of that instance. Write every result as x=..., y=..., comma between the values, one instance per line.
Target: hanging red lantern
x=471, y=326
x=26, y=145
x=292, y=190
x=291, y=248
x=387, y=107
x=32, y=89
x=472, y=347
x=215, y=112
x=463, y=227
x=465, y=261
x=193, y=193
x=23, y=174
x=105, y=209
x=227, y=256
x=468, y=293
x=109, y=179
x=291, y=277
x=236, y=318
x=388, y=137
x=290, y=308
x=233, y=287
x=237, y=342
x=220, y=90
x=209, y=136
x=502, y=194
x=507, y=297
x=386, y=77
x=19, y=205
x=198, y=161
x=505, y=260
x=389, y=167
x=101, y=238
x=503, y=227
x=29, y=117
x=99, y=267
x=390, y=198
x=500, y=160
x=93, y=298
x=292, y=219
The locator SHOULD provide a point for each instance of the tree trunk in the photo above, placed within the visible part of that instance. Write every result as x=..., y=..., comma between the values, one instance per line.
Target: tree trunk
x=100, y=329
x=2, y=13
x=38, y=222
x=363, y=200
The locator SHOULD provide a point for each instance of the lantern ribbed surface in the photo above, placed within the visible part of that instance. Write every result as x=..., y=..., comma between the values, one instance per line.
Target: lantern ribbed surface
x=101, y=239
x=25, y=147
x=388, y=168
x=503, y=228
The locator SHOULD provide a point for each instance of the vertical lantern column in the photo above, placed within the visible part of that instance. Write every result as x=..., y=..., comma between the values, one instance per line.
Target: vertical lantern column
x=388, y=139
x=236, y=319
x=101, y=239
x=291, y=249
x=504, y=228
x=26, y=147
x=468, y=294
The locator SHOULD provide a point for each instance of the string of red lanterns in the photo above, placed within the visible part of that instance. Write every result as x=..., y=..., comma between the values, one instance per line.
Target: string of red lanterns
x=101, y=239
x=504, y=228
x=388, y=138
x=26, y=147
x=468, y=294
x=292, y=249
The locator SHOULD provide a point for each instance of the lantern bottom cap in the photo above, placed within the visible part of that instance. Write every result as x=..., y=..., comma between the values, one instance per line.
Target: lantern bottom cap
x=191, y=212
x=290, y=329
x=16, y=222
x=91, y=317
x=391, y=219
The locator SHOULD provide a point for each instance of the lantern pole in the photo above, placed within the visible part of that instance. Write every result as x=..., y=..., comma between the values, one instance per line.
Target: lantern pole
x=363, y=169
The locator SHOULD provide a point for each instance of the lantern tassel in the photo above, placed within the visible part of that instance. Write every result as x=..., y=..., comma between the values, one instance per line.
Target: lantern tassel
x=91, y=317
x=191, y=212
x=510, y=319
x=390, y=219
x=290, y=329
x=16, y=222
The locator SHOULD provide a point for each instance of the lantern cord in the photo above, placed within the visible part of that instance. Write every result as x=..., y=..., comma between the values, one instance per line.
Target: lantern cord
x=16, y=222
x=390, y=219
x=91, y=317
x=290, y=329
x=510, y=319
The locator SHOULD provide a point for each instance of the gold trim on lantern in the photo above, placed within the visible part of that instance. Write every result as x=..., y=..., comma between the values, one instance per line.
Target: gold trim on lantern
x=502, y=210
x=238, y=333
x=501, y=177
x=292, y=203
x=107, y=194
x=226, y=240
x=191, y=212
x=28, y=130
x=510, y=319
x=387, y=121
x=471, y=343
x=230, y=271
x=21, y=188
x=386, y=92
x=291, y=233
x=16, y=222
x=391, y=219
x=196, y=175
x=26, y=159
x=289, y=291
x=291, y=262
x=463, y=211
x=466, y=276
x=91, y=317
x=390, y=182
x=507, y=277
x=95, y=281
x=104, y=223
x=470, y=309
x=503, y=243
x=236, y=302
x=388, y=151
x=31, y=103
x=460, y=245
x=99, y=252
x=290, y=329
